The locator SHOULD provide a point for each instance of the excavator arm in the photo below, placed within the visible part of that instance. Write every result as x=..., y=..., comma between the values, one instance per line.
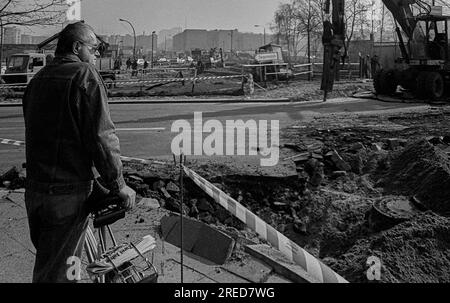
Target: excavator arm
x=333, y=40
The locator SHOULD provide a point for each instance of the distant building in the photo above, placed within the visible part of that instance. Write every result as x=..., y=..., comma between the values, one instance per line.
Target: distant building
x=39, y=39
x=11, y=35
x=26, y=39
x=166, y=38
x=226, y=39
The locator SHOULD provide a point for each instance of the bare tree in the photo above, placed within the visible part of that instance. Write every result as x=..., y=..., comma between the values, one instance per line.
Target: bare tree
x=294, y=20
x=355, y=17
x=32, y=12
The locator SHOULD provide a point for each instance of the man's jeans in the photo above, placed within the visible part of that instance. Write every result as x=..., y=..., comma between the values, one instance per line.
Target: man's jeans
x=58, y=223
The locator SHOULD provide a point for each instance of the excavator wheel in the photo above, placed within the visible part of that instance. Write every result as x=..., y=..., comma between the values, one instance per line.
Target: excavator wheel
x=385, y=82
x=430, y=85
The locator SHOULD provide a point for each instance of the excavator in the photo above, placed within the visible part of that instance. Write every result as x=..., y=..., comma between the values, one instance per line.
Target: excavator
x=333, y=40
x=423, y=34
x=424, y=67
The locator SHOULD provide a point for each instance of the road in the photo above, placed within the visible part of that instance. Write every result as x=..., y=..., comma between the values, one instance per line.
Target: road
x=144, y=130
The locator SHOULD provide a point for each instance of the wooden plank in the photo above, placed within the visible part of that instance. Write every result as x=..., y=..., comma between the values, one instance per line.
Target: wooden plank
x=279, y=263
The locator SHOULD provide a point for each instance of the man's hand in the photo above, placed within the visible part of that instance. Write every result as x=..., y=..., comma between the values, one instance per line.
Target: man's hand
x=128, y=196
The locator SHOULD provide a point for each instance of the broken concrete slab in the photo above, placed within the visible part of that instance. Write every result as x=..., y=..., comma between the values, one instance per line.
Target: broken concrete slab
x=149, y=203
x=198, y=238
x=196, y=269
x=280, y=263
x=249, y=269
x=172, y=187
x=340, y=163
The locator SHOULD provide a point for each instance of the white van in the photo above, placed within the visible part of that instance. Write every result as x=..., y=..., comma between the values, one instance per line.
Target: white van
x=22, y=67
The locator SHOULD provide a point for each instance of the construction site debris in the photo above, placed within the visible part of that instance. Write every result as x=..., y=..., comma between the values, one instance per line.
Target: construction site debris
x=422, y=170
x=197, y=238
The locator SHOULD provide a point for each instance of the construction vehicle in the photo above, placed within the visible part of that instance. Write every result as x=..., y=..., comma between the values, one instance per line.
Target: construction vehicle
x=333, y=40
x=424, y=68
x=270, y=58
x=22, y=67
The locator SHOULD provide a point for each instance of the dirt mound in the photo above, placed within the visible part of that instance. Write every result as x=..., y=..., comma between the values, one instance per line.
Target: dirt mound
x=417, y=251
x=421, y=170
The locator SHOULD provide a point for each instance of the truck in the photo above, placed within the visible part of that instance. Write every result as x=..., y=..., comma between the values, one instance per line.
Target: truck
x=20, y=68
x=272, y=64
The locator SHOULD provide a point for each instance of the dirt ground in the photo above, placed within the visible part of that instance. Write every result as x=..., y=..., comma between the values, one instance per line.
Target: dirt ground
x=326, y=207
x=341, y=164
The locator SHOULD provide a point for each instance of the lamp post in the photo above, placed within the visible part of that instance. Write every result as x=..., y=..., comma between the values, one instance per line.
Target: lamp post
x=134, y=36
x=257, y=25
x=153, y=34
x=1, y=41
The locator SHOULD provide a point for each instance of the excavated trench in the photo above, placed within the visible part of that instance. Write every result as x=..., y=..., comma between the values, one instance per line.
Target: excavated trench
x=333, y=218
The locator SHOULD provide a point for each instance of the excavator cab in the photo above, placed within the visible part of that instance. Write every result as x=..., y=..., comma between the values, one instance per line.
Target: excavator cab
x=436, y=37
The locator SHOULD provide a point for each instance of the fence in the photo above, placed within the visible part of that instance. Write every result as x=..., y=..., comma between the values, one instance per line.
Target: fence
x=142, y=82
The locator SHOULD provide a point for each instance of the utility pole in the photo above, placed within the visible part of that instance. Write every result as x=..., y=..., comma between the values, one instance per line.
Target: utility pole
x=153, y=33
x=231, y=47
x=1, y=42
x=309, y=39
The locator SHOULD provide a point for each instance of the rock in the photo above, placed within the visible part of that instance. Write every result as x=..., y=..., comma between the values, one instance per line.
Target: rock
x=357, y=146
x=207, y=218
x=222, y=214
x=376, y=146
x=280, y=205
x=172, y=187
x=194, y=212
x=435, y=140
x=149, y=203
x=446, y=139
x=173, y=205
x=338, y=173
x=135, y=178
x=165, y=192
x=158, y=184
x=393, y=143
x=10, y=175
x=299, y=227
x=339, y=162
x=204, y=205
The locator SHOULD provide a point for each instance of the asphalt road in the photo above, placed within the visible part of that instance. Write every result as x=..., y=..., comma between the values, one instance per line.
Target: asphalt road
x=144, y=130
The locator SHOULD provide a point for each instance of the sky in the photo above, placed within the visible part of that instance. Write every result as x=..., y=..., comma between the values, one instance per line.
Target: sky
x=155, y=15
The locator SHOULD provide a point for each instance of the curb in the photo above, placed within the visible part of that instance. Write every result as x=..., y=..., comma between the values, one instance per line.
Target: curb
x=180, y=101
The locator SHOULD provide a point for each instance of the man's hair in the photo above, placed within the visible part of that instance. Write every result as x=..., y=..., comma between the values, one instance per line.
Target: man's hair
x=70, y=34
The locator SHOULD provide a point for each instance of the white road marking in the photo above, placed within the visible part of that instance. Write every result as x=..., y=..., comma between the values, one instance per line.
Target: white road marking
x=141, y=129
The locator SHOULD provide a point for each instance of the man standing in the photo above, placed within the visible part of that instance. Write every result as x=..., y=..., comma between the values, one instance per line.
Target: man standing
x=68, y=132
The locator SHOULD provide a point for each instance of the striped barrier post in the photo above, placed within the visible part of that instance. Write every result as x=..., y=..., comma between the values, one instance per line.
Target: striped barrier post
x=291, y=250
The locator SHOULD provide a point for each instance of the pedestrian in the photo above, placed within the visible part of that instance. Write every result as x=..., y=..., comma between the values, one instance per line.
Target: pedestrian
x=128, y=63
x=70, y=139
x=368, y=67
x=134, y=66
x=375, y=65
x=145, y=66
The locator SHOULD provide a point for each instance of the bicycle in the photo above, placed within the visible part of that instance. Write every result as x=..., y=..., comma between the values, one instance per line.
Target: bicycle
x=120, y=263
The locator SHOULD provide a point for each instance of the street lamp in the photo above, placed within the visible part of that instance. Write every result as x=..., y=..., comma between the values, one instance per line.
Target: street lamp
x=153, y=34
x=134, y=36
x=257, y=25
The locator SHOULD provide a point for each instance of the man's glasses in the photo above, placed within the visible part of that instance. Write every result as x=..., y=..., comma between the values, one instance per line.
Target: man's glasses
x=93, y=49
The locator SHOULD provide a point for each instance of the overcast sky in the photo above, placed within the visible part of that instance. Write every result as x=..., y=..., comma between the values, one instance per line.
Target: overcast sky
x=154, y=15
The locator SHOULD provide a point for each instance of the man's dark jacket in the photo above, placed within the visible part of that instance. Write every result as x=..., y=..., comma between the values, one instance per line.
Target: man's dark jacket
x=68, y=127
